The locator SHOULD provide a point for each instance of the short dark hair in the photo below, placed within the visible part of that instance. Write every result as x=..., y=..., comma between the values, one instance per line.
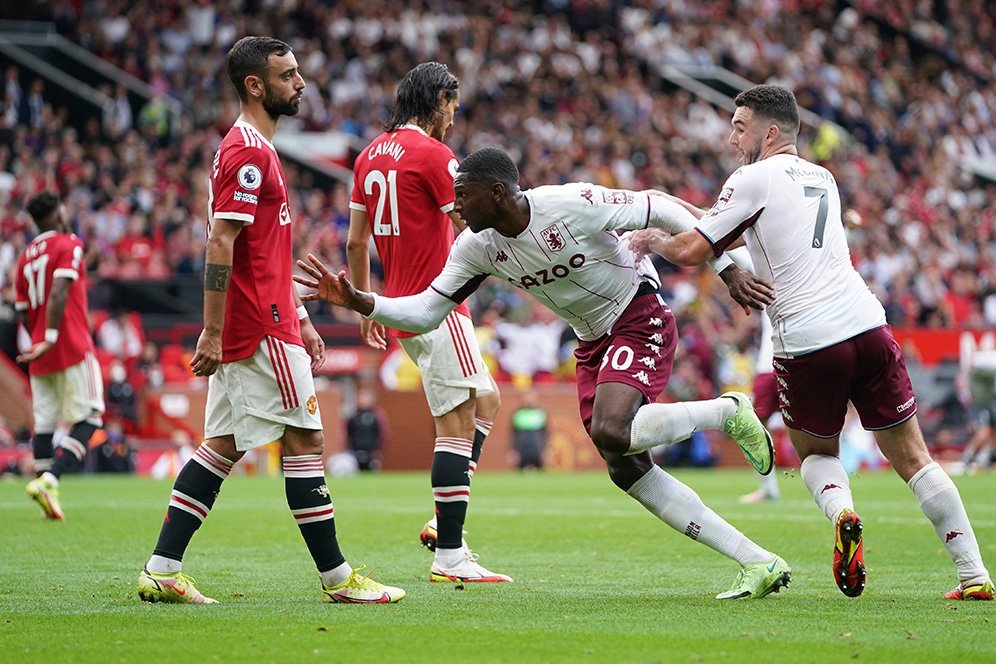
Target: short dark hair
x=774, y=103
x=418, y=94
x=41, y=206
x=490, y=164
x=249, y=57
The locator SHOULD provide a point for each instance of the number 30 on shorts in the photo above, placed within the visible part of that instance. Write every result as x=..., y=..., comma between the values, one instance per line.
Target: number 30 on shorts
x=621, y=357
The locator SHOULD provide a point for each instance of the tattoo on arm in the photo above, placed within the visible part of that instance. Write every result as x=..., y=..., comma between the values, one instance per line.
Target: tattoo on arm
x=216, y=277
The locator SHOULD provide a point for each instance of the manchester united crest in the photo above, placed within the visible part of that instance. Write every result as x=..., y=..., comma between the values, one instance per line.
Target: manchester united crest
x=312, y=405
x=553, y=238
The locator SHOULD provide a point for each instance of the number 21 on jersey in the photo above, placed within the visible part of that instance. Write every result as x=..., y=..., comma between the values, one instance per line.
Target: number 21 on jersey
x=387, y=194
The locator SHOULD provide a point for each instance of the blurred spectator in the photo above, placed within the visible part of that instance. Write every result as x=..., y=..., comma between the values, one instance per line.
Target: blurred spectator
x=121, y=400
x=119, y=336
x=366, y=430
x=168, y=465
x=149, y=367
x=114, y=455
x=530, y=430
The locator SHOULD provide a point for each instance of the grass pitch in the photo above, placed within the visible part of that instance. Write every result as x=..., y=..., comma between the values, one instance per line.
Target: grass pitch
x=596, y=578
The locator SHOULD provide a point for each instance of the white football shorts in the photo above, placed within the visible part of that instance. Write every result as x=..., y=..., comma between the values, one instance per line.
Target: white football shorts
x=256, y=398
x=69, y=396
x=450, y=363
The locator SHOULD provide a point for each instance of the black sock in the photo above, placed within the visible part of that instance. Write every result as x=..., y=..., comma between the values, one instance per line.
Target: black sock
x=194, y=492
x=451, y=489
x=41, y=446
x=310, y=502
x=481, y=431
x=72, y=449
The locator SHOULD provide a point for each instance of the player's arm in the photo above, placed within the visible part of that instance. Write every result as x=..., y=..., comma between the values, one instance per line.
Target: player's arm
x=313, y=342
x=372, y=333
x=217, y=275
x=414, y=313
x=54, y=310
x=695, y=211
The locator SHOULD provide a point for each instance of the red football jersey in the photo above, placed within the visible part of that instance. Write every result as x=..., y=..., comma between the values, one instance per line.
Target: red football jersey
x=48, y=257
x=247, y=186
x=403, y=180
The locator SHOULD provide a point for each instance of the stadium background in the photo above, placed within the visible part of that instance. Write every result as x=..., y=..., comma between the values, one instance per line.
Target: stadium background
x=120, y=106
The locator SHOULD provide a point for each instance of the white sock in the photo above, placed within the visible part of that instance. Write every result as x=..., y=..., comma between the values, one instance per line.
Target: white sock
x=161, y=565
x=449, y=557
x=941, y=503
x=666, y=423
x=769, y=484
x=680, y=507
x=827, y=480
x=50, y=479
x=336, y=575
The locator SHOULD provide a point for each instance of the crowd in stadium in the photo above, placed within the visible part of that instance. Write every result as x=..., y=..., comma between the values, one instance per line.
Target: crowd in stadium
x=576, y=95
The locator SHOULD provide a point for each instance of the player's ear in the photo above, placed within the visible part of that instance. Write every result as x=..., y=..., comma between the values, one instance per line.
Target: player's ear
x=773, y=133
x=255, y=86
x=498, y=191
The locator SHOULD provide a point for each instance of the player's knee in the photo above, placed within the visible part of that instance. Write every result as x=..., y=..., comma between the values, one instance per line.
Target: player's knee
x=300, y=442
x=489, y=404
x=610, y=435
x=625, y=471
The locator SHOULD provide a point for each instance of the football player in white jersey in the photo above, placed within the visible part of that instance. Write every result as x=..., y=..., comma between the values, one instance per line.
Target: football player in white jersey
x=831, y=340
x=560, y=243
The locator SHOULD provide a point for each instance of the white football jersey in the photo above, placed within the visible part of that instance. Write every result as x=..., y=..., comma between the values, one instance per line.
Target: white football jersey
x=569, y=257
x=765, y=350
x=788, y=210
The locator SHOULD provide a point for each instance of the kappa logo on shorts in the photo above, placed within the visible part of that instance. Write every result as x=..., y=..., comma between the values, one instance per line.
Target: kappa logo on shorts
x=312, y=405
x=657, y=339
x=642, y=377
x=655, y=348
x=649, y=361
x=656, y=322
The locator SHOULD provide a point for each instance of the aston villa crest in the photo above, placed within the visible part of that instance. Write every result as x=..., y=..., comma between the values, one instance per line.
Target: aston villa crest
x=554, y=240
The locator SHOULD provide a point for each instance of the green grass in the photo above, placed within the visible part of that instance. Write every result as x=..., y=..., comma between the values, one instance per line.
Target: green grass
x=597, y=579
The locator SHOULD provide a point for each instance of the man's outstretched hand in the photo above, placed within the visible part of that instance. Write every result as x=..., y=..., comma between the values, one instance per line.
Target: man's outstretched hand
x=332, y=288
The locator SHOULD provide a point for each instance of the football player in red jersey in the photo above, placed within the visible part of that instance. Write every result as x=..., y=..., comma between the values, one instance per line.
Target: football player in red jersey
x=403, y=198
x=66, y=385
x=258, y=346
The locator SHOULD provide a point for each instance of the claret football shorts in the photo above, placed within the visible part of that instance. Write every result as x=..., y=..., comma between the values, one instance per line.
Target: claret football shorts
x=637, y=351
x=868, y=370
x=256, y=398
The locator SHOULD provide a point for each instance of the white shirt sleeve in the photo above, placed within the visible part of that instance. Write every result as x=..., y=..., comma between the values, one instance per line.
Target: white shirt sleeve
x=674, y=218
x=737, y=208
x=424, y=312
x=412, y=313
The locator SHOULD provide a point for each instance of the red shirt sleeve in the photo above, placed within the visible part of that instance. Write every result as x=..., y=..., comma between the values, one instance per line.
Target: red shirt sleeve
x=237, y=181
x=67, y=258
x=440, y=169
x=356, y=198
